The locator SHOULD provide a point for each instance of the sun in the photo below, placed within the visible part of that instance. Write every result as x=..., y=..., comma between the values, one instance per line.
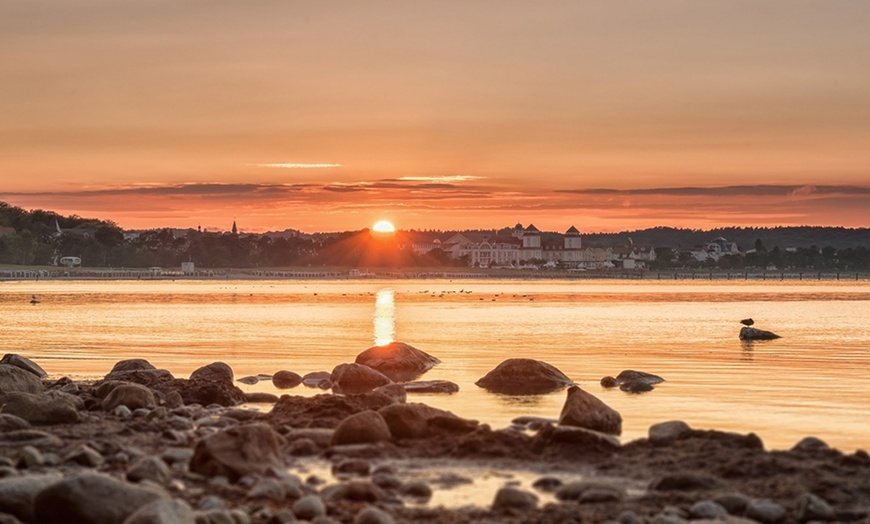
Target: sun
x=383, y=226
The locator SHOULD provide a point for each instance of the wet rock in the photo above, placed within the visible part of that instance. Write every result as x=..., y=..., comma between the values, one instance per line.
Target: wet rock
x=524, y=376
x=812, y=507
x=266, y=398
x=309, y=507
x=29, y=457
x=40, y=409
x=513, y=498
x=85, y=455
x=360, y=428
x=707, y=509
x=386, y=480
x=250, y=381
x=13, y=359
x=609, y=382
x=134, y=396
x=15, y=379
x=217, y=371
x=133, y=364
x=315, y=378
x=163, y=511
x=356, y=378
x=419, y=490
x=32, y=437
x=238, y=451
x=9, y=422
x=398, y=361
x=683, y=482
x=354, y=491
x=547, y=484
x=765, y=511
x=267, y=488
x=590, y=491
x=358, y=467
x=410, y=421
x=150, y=468
x=17, y=494
x=372, y=515
x=207, y=392
x=734, y=503
x=810, y=445
x=750, y=333
x=667, y=432
x=390, y=393
x=630, y=375
x=586, y=438
x=91, y=498
x=584, y=410
x=431, y=386
x=286, y=379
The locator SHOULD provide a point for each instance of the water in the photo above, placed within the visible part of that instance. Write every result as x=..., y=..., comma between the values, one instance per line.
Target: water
x=813, y=381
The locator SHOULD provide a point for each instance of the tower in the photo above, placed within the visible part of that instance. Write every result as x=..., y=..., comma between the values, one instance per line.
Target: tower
x=572, y=238
x=235, y=229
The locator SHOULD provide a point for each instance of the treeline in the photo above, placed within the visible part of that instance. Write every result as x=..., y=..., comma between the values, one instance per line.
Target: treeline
x=745, y=237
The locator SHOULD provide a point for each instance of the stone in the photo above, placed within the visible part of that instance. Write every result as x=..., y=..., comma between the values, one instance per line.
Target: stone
x=267, y=488
x=590, y=491
x=13, y=359
x=356, y=378
x=237, y=451
x=32, y=437
x=15, y=379
x=372, y=515
x=286, y=379
x=9, y=422
x=584, y=410
x=417, y=490
x=177, y=455
x=667, y=432
x=207, y=392
x=217, y=371
x=810, y=445
x=261, y=397
x=513, y=498
x=734, y=503
x=524, y=376
x=399, y=361
x=282, y=516
x=132, y=364
x=750, y=333
x=390, y=393
x=707, y=509
x=410, y=421
x=85, y=455
x=609, y=382
x=91, y=498
x=630, y=375
x=173, y=399
x=134, y=396
x=354, y=491
x=358, y=467
x=163, y=511
x=812, y=507
x=250, y=381
x=315, y=378
x=547, y=484
x=431, y=386
x=765, y=511
x=153, y=469
x=40, y=409
x=683, y=482
x=586, y=438
x=361, y=428
x=30, y=456
x=18, y=494
x=386, y=480
x=309, y=507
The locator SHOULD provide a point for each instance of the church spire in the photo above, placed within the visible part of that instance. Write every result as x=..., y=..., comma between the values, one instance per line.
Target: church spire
x=235, y=229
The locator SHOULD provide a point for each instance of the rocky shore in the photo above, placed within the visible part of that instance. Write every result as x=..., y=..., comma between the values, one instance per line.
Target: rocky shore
x=142, y=446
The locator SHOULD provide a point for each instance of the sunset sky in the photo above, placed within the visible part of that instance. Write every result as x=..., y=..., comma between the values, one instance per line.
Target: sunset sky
x=331, y=115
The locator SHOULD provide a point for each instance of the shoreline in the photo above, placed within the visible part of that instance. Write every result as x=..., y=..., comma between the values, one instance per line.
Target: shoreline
x=323, y=458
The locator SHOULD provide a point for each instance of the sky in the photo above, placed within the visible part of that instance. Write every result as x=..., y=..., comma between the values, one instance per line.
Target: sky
x=331, y=115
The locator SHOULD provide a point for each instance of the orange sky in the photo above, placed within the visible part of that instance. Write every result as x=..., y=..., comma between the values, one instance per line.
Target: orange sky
x=326, y=116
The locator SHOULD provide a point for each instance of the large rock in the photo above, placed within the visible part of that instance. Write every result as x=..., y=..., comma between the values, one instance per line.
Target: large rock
x=214, y=371
x=633, y=381
x=286, y=379
x=361, y=428
x=410, y=421
x=138, y=370
x=13, y=378
x=17, y=494
x=431, y=386
x=238, y=451
x=206, y=392
x=24, y=363
x=356, y=378
x=134, y=396
x=91, y=499
x=751, y=333
x=524, y=376
x=584, y=410
x=163, y=511
x=398, y=361
x=40, y=409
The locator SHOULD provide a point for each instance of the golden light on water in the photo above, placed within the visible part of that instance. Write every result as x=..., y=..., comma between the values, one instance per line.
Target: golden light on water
x=385, y=317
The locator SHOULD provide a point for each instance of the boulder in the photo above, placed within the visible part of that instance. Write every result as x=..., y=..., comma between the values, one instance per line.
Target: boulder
x=361, y=428
x=215, y=371
x=286, y=379
x=205, y=392
x=751, y=333
x=513, y=498
x=356, y=378
x=12, y=359
x=398, y=361
x=13, y=378
x=40, y=409
x=91, y=498
x=163, y=511
x=632, y=381
x=134, y=396
x=237, y=451
x=431, y=386
x=410, y=421
x=581, y=437
x=150, y=468
x=17, y=494
x=666, y=432
x=584, y=410
x=316, y=379
x=12, y=422
x=524, y=376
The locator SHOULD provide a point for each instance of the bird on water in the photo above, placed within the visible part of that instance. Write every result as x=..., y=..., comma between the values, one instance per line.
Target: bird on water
x=747, y=322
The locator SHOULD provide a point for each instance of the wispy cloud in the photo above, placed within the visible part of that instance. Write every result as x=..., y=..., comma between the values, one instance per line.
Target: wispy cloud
x=296, y=166
x=441, y=179
x=725, y=191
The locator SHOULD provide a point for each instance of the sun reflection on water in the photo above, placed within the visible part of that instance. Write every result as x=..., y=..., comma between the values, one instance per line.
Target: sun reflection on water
x=385, y=317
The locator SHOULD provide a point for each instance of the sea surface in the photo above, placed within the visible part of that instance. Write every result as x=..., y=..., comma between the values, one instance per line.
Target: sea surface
x=813, y=381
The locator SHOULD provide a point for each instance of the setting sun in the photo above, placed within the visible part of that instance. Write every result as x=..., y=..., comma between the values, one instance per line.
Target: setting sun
x=383, y=227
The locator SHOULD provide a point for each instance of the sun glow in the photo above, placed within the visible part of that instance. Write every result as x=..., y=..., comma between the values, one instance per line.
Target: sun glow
x=383, y=227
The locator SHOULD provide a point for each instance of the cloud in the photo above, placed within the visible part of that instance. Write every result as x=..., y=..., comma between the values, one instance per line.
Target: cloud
x=725, y=191
x=297, y=166
x=445, y=179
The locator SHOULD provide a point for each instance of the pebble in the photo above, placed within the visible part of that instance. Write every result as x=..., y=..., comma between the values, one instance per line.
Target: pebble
x=86, y=456
x=765, y=511
x=268, y=488
x=18, y=494
x=150, y=468
x=357, y=467
x=211, y=502
x=163, y=511
x=734, y=503
x=813, y=507
x=123, y=412
x=372, y=515
x=707, y=509
x=590, y=491
x=174, y=455
x=30, y=457
x=282, y=516
x=180, y=423
x=629, y=517
x=547, y=484
x=386, y=481
x=667, y=432
x=418, y=490
x=514, y=498
x=309, y=507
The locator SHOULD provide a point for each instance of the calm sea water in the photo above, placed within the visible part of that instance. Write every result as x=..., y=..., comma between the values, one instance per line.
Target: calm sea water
x=813, y=381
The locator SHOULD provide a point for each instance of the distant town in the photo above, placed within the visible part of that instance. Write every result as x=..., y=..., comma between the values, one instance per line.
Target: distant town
x=44, y=238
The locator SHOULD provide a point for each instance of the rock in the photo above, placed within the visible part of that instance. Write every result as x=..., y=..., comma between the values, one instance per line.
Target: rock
x=134, y=396
x=810, y=445
x=17, y=494
x=707, y=509
x=133, y=364
x=267, y=488
x=282, y=516
x=12, y=359
x=764, y=511
x=354, y=491
x=683, y=482
x=173, y=399
x=86, y=456
x=315, y=378
x=32, y=437
x=547, y=484
x=386, y=481
x=309, y=507
x=40, y=409
x=667, y=432
x=9, y=422
x=812, y=507
x=29, y=457
x=265, y=398
x=410, y=421
x=250, y=381
x=15, y=379
x=150, y=468
x=734, y=503
x=582, y=437
x=217, y=371
x=609, y=382
x=361, y=428
x=398, y=361
x=431, y=386
x=630, y=375
x=590, y=491
x=750, y=333
x=584, y=410
x=524, y=376
x=91, y=498
x=237, y=451
x=356, y=378
x=286, y=379
x=373, y=515
x=163, y=511
x=390, y=393
x=418, y=490
x=513, y=498
x=207, y=392
x=358, y=467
